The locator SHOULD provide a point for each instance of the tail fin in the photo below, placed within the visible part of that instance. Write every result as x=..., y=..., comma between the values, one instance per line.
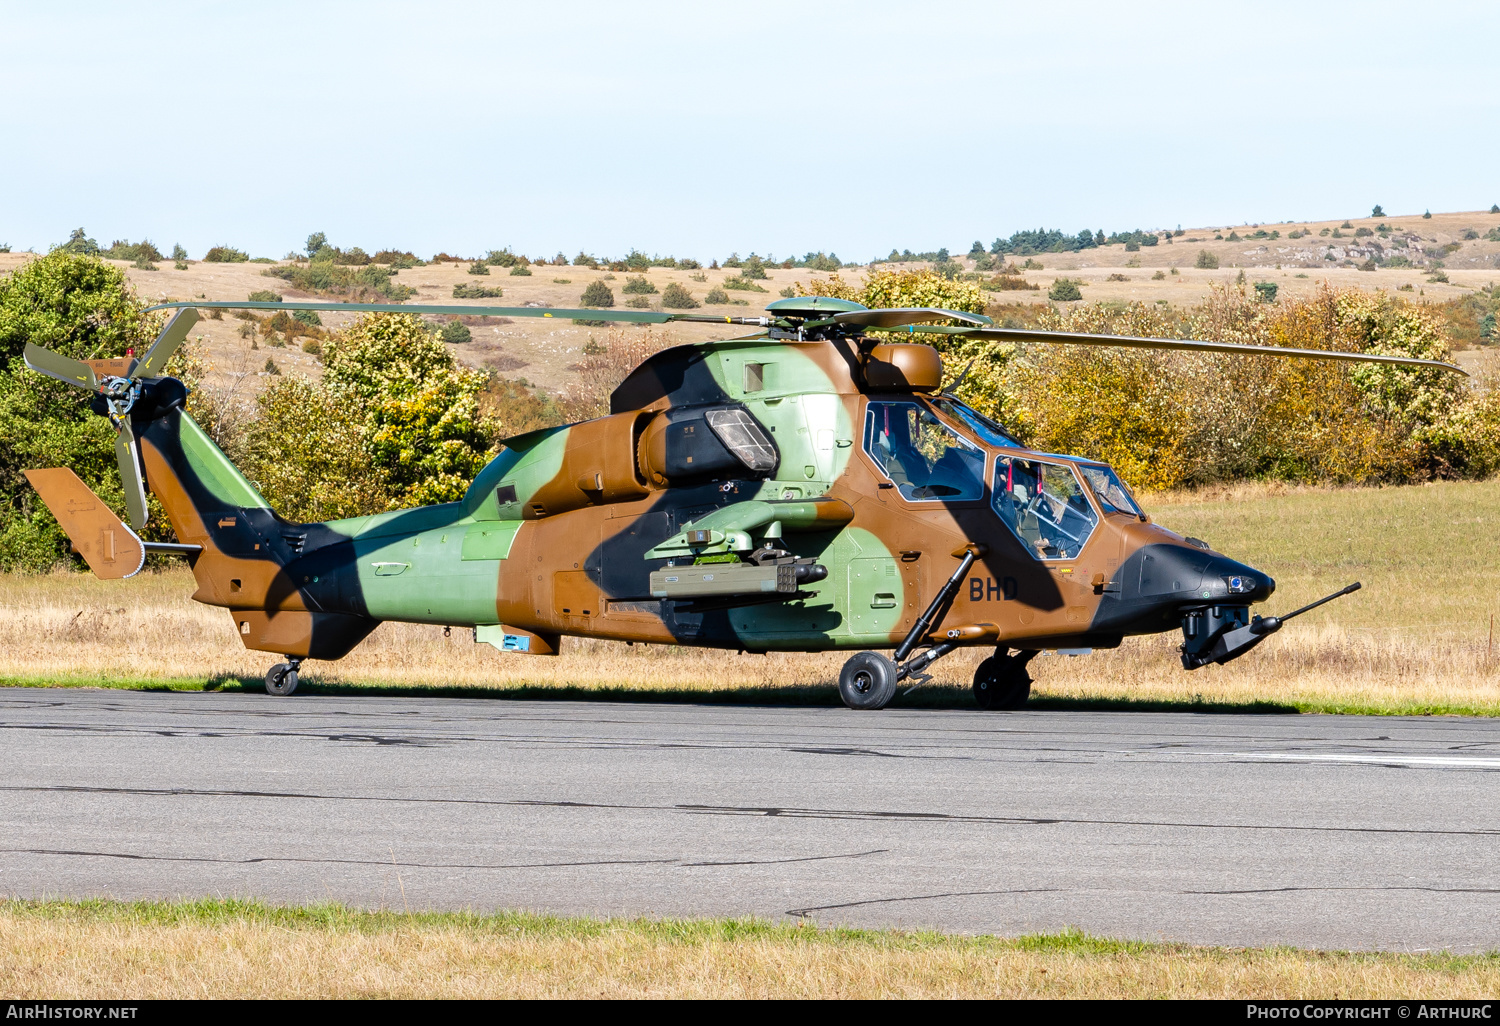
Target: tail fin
x=112, y=550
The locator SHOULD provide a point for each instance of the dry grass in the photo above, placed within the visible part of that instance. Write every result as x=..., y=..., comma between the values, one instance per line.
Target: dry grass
x=1414, y=640
x=226, y=949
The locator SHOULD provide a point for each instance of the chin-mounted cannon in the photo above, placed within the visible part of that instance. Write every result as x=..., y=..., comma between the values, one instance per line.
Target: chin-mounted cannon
x=1217, y=634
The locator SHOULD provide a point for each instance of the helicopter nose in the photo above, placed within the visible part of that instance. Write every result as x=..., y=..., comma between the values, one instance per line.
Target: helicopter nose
x=1183, y=574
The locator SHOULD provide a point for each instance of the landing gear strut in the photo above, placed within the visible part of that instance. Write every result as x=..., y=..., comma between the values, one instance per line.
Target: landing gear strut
x=281, y=680
x=1001, y=682
x=869, y=679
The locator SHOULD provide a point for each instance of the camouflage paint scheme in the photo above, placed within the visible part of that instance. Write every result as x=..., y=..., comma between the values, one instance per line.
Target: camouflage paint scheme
x=560, y=534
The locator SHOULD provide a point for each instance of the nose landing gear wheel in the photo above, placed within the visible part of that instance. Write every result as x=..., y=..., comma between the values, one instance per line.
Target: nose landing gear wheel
x=868, y=681
x=281, y=681
x=1001, y=682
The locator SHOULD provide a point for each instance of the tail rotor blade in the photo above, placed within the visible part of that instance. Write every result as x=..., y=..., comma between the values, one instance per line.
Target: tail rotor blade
x=63, y=368
x=130, y=475
x=167, y=343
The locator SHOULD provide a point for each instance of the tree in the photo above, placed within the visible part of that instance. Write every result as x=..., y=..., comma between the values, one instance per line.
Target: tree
x=1064, y=290
x=597, y=294
x=80, y=244
x=1377, y=211
x=401, y=416
x=1206, y=261
x=456, y=333
x=81, y=307
x=315, y=242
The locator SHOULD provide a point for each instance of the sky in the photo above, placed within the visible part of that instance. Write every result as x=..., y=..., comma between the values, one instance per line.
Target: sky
x=697, y=129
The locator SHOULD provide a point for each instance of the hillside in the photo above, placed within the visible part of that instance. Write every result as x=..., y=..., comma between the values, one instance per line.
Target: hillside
x=542, y=351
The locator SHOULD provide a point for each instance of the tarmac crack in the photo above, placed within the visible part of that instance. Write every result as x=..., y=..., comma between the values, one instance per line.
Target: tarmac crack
x=766, y=811
x=806, y=913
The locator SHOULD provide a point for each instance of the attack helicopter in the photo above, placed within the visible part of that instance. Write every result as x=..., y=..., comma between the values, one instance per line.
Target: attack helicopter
x=805, y=487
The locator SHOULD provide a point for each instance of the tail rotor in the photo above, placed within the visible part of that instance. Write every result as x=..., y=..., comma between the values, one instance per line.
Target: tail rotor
x=117, y=387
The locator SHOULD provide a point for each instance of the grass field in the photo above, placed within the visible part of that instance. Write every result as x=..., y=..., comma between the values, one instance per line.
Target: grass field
x=227, y=949
x=1415, y=640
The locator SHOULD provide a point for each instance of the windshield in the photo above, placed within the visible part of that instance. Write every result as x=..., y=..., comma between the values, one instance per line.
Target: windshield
x=987, y=430
x=1109, y=489
x=923, y=458
x=1044, y=504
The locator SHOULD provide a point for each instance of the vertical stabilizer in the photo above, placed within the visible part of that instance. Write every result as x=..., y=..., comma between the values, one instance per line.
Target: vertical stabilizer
x=111, y=549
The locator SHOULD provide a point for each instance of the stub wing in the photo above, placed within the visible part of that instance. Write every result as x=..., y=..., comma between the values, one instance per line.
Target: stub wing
x=111, y=549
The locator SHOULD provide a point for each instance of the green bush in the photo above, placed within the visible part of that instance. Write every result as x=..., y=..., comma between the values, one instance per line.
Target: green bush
x=501, y=258
x=316, y=242
x=638, y=287
x=520, y=270
x=597, y=294
x=478, y=268
x=688, y=265
x=455, y=332
x=1206, y=261
x=141, y=252
x=742, y=284
x=398, y=259
x=307, y=318
x=1064, y=290
x=675, y=297
x=754, y=269
x=264, y=296
x=638, y=302
x=270, y=367
x=465, y=291
x=716, y=297
x=225, y=255
x=1265, y=291
x=584, y=260
x=323, y=277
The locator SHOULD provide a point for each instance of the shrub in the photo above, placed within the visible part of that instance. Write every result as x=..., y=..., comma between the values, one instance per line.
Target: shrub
x=521, y=270
x=478, y=268
x=322, y=277
x=455, y=332
x=584, y=260
x=1206, y=261
x=688, y=265
x=562, y=281
x=1265, y=291
x=1032, y=265
x=1064, y=290
x=1010, y=283
x=742, y=285
x=466, y=291
x=1368, y=265
x=675, y=297
x=501, y=258
x=1362, y=233
x=597, y=294
x=638, y=286
x=142, y=252
x=1426, y=216
x=716, y=297
x=225, y=255
x=264, y=296
x=1436, y=275
x=270, y=367
x=1377, y=211
x=312, y=347
x=1159, y=276
x=754, y=269
x=638, y=302
x=399, y=259
x=1121, y=277
x=307, y=318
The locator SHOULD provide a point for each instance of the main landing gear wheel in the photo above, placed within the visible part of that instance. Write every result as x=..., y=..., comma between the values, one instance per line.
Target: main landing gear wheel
x=868, y=681
x=281, y=681
x=1001, y=682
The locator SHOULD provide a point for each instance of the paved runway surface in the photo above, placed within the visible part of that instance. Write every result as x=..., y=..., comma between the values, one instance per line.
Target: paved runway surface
x=1326, y=831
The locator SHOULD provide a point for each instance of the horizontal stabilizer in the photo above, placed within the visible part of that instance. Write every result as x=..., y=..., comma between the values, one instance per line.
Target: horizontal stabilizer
x=111, y=549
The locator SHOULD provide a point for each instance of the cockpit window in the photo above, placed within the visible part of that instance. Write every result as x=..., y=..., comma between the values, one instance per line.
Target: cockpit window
x=1109, y=489
x=987, y=430
x=923, y=458
x=1044, y=504
x=743, y=437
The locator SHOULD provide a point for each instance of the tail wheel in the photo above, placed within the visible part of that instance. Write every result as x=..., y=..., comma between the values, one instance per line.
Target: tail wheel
x=868, y=681
x=1002, y=682
x=281, y=681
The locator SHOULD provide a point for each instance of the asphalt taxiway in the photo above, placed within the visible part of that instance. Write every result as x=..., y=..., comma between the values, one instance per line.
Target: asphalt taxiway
x=1323, y=831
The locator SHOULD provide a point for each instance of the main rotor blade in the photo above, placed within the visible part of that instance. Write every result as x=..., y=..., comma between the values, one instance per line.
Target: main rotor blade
x=63, y=368
x=587, y=314
x=896, y=317
x=167, y=343
x=130, y=475
x=1132, y=342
